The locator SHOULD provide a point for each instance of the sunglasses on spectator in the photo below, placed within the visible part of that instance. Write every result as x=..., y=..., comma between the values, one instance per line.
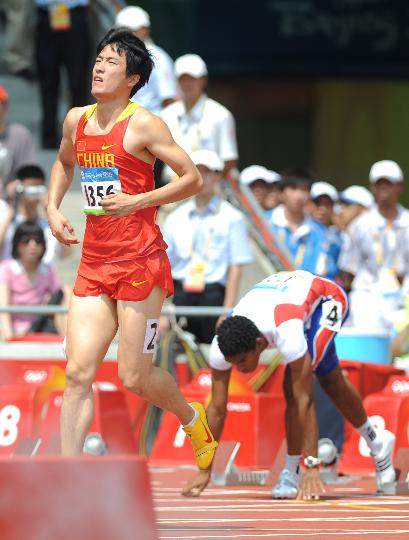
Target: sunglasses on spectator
x=27, y=239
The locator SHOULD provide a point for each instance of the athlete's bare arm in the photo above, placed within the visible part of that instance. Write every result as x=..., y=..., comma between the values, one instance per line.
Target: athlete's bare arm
x=148, y=137
x=301, y=381
x=216, y=415
x=61, y=177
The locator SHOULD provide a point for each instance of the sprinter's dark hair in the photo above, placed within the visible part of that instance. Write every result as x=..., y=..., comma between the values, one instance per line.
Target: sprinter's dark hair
x=138, y=59
x=237, y=335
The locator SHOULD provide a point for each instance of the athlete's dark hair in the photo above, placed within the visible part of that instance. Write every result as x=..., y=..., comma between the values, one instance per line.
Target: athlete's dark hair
x=30, y=171
x=25, y=230
x=236, y=335
x=138, y=59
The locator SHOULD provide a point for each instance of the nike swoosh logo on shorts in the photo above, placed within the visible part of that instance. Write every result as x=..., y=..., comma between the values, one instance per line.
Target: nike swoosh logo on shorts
x=137, y=283
x=106, y=146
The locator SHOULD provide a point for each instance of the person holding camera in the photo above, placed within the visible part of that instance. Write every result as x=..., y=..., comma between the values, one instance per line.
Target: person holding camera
x=26, y=280
x=28, y=199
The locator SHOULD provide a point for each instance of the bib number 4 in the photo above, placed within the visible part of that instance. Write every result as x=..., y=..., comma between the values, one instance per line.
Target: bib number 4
x=331, y=315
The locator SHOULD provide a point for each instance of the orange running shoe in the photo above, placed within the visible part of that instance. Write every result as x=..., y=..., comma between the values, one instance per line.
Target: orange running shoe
x=201, y=438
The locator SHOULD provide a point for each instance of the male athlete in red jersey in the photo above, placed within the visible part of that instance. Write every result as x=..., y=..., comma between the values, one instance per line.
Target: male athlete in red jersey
x=124, y=274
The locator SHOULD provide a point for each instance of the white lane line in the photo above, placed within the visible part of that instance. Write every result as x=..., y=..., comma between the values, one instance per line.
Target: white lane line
x=284, y=532
x=242, y=508
x=352, y=519
x=284, y=503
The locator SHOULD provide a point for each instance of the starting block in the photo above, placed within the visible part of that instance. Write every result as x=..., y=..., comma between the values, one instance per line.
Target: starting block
x=225, y=473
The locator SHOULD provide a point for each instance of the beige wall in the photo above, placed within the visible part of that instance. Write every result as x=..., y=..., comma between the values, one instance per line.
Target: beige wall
x=337, y=128
x=357, y=123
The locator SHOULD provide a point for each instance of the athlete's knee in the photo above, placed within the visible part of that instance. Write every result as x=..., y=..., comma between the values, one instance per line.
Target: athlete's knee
x=134, y=381
x=78, y=377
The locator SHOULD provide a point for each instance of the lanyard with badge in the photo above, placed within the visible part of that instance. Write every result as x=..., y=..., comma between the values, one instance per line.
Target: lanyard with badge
x=388, y=277
x=192, y=142
x=60, y=17
x=195, y=278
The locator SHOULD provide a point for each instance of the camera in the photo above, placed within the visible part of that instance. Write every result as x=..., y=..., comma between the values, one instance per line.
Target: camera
x=31, y=192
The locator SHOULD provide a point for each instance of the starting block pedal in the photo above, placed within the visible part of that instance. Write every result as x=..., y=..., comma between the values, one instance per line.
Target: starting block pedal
x=225, y=473
x=27, y=446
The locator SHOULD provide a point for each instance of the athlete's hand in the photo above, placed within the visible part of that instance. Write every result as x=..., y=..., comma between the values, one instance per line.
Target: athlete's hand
x=119, y=204
x=311, y=486
x=61, y=227
x=196, y=485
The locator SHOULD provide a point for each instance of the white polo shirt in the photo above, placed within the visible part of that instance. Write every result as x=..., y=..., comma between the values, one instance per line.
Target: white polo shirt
x=216, y=236
x=208, y=125
x=162, y=82
x=372, y=244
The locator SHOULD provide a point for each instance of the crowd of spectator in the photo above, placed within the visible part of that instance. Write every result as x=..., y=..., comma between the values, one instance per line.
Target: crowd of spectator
x=358, y=237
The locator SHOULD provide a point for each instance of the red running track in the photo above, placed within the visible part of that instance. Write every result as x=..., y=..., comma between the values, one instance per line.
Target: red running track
x=349, y=509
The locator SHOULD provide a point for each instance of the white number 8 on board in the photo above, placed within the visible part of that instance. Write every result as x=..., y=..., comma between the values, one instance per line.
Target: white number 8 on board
x=9, y=418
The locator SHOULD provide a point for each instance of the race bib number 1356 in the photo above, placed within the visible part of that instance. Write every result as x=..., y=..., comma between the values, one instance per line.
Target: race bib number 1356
x=97, y=183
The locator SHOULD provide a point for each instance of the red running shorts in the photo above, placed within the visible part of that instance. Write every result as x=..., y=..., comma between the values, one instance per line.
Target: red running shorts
x=131, y=280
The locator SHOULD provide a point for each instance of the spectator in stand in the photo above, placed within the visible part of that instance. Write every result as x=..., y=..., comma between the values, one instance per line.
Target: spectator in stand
x=207, y=246
x=28, y=197
x=197, y=121
x=273, y=198
x=16, y=144
x=62, y=39
x=354, y=201
x=260, y=181
x=26, y=280
x=323, y=198
x=293, y=227
x=376, y=260
x=19, y=37
x=160, y=90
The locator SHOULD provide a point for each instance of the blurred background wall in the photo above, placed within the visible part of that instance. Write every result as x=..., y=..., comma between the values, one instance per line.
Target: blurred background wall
x=322, y=83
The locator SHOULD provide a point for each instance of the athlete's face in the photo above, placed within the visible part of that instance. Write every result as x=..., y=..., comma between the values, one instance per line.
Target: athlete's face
x=109, y=79
x=247, y=361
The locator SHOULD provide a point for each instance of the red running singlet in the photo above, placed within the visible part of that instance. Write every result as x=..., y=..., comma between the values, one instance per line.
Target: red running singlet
x=103, y=157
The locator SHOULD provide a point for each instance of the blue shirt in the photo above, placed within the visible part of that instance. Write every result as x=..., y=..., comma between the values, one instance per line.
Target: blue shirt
x=327, y=264
x=216, y=236
x=304, y=245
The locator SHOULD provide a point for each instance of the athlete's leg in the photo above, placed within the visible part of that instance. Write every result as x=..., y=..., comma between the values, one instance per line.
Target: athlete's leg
x=136, y=369
x=92, y=324
x=295, y=441
x=380, y=442
x=344, y=396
